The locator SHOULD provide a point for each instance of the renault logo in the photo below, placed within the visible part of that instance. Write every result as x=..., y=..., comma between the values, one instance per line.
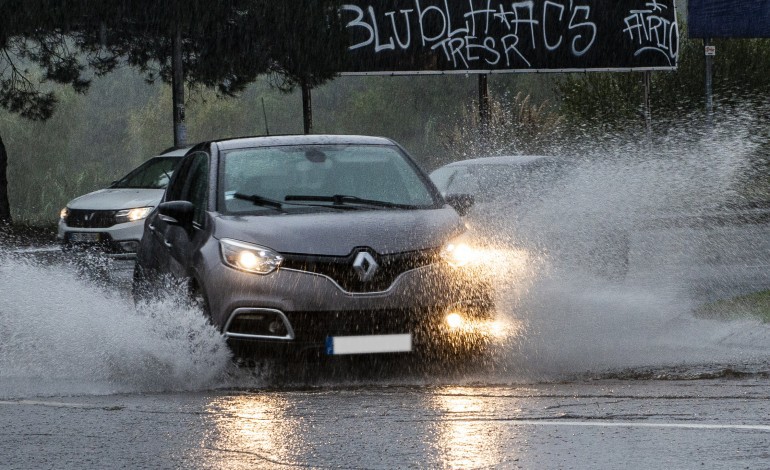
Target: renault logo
x=365, y=266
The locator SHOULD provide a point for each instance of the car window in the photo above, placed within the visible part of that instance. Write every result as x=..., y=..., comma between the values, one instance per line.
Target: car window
x=372, y=172
x=153, y=174
x=493, y=181
x=197, y=183
x=442, y=177
x=463, y=180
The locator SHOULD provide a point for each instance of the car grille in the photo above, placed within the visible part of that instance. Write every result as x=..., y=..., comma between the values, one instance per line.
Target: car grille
x=314, y=327
x=80, y=218
x=340, y=269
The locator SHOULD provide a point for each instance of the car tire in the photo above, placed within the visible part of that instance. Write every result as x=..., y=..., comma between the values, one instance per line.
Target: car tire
x=143, y=287
x=197, y=298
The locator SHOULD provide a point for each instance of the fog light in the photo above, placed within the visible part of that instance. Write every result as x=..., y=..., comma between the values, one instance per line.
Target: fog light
x=454, y=320
x=129, y=247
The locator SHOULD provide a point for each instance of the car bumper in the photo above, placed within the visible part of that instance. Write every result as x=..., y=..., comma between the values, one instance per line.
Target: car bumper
x=118, y=241
x=305, y=309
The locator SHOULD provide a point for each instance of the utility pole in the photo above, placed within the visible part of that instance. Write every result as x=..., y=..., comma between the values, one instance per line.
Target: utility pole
x=484, y=110
x=709, y=52
x=647, y=104
x=177, y=90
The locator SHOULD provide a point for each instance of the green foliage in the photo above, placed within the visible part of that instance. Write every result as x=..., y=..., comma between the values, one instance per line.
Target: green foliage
x=755, y=305
x=616, y=99
x=516, y=126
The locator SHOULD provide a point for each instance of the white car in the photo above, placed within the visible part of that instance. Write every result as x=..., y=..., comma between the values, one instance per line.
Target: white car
x=530, y=196
x=112, y=219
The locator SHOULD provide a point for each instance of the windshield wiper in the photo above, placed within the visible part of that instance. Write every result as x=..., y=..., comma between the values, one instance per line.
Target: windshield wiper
x=278, y=205
x=259, y=200
x=343, y=199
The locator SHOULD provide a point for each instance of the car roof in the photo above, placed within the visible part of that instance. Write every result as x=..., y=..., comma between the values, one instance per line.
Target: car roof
x=501, y=160
x=174, y=152
x=314, y=139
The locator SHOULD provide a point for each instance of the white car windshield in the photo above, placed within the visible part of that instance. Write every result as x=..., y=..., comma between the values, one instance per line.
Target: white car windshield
x=153, y=174
x=293, y=178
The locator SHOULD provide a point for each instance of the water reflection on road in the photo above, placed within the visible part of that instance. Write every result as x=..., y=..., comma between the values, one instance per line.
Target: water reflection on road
x=251, y=424
x=452, y=427
x=465, y=439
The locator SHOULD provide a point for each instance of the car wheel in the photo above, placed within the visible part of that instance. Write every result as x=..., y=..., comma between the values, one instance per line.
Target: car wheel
x=198, y=299
x=143, y=287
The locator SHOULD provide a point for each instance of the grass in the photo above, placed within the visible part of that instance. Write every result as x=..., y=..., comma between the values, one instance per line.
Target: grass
x=756, y=305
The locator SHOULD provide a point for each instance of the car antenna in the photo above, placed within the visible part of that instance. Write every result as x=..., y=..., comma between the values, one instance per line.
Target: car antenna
x=264, y=113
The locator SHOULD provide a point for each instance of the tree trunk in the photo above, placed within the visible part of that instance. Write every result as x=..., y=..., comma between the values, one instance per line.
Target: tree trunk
x=177, y=90
x=5, y=206
x=307, y=108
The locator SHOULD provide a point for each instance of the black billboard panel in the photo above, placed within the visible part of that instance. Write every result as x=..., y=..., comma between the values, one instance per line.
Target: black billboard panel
x=459, y=36
x=728, y=18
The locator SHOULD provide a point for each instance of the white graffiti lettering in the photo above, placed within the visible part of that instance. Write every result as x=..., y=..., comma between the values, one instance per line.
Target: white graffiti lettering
x=477, y=34
x=651, y=32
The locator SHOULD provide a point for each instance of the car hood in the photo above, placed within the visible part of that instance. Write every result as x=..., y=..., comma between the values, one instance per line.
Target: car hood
x=117, y=198
x=337, y=234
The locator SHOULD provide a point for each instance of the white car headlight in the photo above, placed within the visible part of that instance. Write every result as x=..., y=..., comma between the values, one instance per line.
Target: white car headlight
x=64, y=213
x=132, y=215
x=458, y=252
x=250, y=258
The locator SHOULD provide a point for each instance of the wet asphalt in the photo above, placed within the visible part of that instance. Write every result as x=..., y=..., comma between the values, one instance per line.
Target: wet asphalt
x=722, y=423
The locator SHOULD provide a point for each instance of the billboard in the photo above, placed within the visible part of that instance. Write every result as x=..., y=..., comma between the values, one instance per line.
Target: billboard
x=728, y=18
x=487, y=36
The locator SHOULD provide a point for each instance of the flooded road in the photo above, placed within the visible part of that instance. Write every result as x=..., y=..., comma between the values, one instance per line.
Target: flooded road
x=608, y=374
x=596, y=424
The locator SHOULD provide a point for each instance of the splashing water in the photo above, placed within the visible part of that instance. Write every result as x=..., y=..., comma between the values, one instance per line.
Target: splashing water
x=64, y=335
x=676, y=206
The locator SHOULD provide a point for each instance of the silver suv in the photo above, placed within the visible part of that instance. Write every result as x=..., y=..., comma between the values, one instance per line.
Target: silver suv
x=339, y=244
x=111, y=220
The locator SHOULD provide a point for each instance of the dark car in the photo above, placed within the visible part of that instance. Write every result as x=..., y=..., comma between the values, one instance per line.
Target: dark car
x=337, y=243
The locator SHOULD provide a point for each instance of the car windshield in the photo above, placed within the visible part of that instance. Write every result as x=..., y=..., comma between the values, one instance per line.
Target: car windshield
x=321, y=177
x=153, y=174
x=500, y=181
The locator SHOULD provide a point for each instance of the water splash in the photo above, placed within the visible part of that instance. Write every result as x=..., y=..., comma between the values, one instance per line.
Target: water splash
x=669, y=197
x=65, y=335
x=689, y=233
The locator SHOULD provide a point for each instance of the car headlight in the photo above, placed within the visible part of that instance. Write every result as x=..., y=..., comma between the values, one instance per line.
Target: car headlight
x=458, y=253
x=250, y=258
x=64, y=213
x=132, y=215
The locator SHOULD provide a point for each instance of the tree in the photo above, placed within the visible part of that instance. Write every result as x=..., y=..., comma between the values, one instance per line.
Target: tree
x=34, y=53
x=615, y=99
x=224, y=45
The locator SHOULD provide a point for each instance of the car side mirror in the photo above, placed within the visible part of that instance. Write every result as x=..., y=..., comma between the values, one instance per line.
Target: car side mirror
x=179, y=213
x=462, y=203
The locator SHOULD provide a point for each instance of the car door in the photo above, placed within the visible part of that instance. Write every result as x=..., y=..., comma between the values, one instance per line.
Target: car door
x=182, y=242
x=155, y=251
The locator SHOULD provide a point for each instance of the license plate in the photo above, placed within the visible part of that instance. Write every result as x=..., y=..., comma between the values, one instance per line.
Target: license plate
x=368, y=344
x=84, y=237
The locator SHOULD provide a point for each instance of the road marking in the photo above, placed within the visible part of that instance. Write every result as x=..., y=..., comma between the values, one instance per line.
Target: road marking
x=523, y=422
x=631, y=424
x=58, y=404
